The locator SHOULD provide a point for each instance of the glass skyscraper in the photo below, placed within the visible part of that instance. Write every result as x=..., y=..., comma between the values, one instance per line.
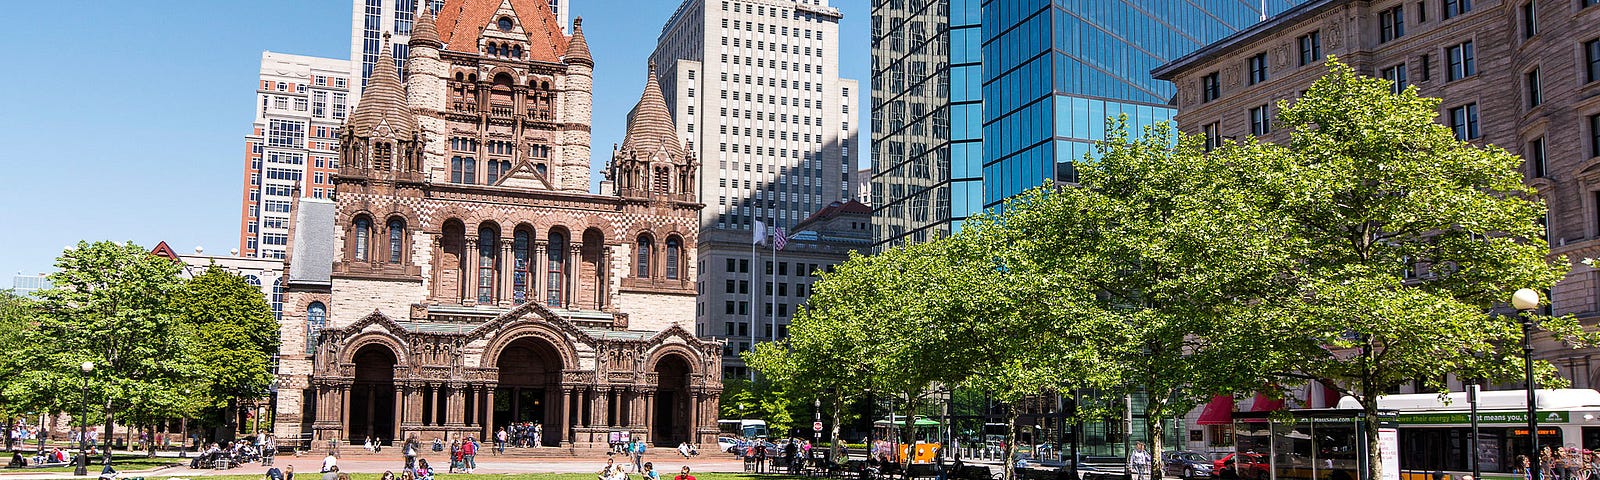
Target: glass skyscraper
x=975, y=101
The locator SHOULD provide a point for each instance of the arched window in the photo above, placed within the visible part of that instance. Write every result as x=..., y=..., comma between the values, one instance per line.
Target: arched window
x=397, y=235
x=643, y=265
x=516, y=51
x=486, y=263
x=674, y=252
x=556, y=259
x=277, y=299
x=519, y=253
x=363, y=235
x=316, y=318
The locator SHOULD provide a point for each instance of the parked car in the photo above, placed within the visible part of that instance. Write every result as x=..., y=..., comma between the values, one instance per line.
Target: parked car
x=1186, y=465
x=1253, y=467
x=726, y=444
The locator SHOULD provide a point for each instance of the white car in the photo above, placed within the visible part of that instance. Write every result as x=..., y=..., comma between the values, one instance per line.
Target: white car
x=726, y=444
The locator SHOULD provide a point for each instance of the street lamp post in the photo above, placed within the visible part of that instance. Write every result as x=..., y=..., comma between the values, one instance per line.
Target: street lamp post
x=1525, y=300
x=82, y=467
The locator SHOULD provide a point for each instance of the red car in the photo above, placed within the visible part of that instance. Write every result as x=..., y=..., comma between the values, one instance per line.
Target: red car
x=1254, y=466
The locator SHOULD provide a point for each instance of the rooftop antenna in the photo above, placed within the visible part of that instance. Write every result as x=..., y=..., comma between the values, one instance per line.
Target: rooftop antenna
x=1263, y=10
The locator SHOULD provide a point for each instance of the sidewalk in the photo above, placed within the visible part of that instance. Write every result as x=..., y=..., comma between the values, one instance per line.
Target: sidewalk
x=380, y=463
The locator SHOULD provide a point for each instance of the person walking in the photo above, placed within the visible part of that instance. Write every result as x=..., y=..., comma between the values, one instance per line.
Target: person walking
x=269, y=449
x=410, y=451
x=500, y=441
x=1139, y=462
x=637, y=451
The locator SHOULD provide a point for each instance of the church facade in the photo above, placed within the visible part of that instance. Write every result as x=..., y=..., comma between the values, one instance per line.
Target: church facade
x=463, y=277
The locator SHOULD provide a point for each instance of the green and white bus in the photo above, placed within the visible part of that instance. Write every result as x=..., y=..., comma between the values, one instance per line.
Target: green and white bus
x=1435, y=433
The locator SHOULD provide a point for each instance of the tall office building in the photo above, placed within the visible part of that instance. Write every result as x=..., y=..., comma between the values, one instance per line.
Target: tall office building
x=754, y=86
x=370, y=19
x=300, y=103
x=27, y=285
x=982, y=100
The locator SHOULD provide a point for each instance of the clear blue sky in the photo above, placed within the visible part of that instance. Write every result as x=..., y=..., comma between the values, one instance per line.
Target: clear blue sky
x=126, y=121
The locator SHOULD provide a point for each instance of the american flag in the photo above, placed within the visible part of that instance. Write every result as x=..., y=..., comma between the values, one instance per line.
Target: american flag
x=779, y=239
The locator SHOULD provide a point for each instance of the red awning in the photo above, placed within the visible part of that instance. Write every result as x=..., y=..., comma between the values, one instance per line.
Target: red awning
x=1217, y=412
x=1264, y=404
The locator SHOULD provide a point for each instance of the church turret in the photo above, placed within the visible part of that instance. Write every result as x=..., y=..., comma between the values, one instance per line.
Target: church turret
x=381, y=136
x=652, y=163
x=425, y=88
x=577, y=111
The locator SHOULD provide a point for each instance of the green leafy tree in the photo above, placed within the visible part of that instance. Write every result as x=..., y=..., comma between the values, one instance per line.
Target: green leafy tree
x=1403, y=241
x=235, y=335
x=760, y=399
x=110, y=304
x=18, y=315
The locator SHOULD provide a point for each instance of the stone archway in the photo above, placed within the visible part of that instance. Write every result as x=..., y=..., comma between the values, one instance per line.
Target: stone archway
x=372, y=406
x=529, y=387
x=673, y=399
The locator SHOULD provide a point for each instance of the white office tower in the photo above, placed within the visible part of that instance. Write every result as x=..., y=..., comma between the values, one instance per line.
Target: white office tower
x=755, y=91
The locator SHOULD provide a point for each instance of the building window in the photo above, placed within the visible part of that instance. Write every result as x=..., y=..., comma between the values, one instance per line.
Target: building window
x=1391, y=24
x=642, y=266
x=497, y=169
x=1464, y=121
x=1594, y=135
x=519, y=275
x=1456, y=7
x=1427, y=67
x=556, y=259
x=1260, y=122
x=463, y=170
x=363, y=235
x=1310, y=48
x=285, y=133
x=1535, y=157
x=1210, y=88
x=316, y=318
x=1258, y=68
x=487, y=241
x=1462, y=63
x=1397, y=76
x=1535, y=89
x=1213, y=135
x=1530, y=20
x=674, y=252
x=397, y=235
x=1591, y=57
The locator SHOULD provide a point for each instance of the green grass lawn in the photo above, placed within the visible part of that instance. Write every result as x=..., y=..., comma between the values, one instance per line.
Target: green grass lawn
x=506, y=476
x=122, y=462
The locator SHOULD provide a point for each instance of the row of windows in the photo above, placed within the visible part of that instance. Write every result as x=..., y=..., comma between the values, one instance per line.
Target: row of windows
x=783, y=288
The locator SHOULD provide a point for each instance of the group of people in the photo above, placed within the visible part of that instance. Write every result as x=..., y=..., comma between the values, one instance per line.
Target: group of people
x=791, y=454
x=463, y=455
x=1568, y=463
x=645, y=470
x=524, y=434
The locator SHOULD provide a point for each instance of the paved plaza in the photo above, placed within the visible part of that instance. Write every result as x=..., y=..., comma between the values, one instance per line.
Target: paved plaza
x=378, y=463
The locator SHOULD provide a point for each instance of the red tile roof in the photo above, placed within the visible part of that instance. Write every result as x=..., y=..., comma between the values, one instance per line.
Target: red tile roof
x=462, y=21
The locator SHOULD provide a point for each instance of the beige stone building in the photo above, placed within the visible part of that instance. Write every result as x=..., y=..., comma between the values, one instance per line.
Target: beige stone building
x=1520, y=74
x=462, y=277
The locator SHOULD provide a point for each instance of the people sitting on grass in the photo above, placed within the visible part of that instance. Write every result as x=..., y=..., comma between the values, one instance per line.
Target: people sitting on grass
x=423, y=471
x=684, y=474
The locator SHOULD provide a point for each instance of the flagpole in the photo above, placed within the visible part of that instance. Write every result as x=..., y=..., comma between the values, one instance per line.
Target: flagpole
x=753, y=288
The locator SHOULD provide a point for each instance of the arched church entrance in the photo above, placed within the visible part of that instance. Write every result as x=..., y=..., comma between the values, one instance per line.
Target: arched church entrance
x=372, y=395
x=672, y=401
x=529, y=388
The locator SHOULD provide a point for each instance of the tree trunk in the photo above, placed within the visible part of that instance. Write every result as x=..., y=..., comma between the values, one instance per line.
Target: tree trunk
x=108, y=431
x=910, y=435
x=150, y=446
x=1369, y=404
x=835, y=445
x=1152, y=418
x=11, y=426
x=1010, y=452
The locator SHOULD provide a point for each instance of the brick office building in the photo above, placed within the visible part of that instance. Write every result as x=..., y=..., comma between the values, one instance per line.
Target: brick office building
x=462, y=277
x=1520, y=74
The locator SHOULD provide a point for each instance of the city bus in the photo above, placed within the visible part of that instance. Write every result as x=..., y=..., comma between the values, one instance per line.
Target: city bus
x=1436, y=433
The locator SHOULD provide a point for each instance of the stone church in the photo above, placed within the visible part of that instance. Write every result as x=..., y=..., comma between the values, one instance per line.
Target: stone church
x=463, y=277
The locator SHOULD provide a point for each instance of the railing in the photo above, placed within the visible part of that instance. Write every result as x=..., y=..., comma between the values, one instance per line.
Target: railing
x=539, y=114
x=501, y=111
x=464, y=107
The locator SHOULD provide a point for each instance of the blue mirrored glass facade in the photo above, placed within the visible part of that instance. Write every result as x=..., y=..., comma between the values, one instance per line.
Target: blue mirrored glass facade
x=977, y=100
x=1054, y=70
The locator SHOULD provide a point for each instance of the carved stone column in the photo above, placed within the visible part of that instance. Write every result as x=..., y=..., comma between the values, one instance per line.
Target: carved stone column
x=575, y=259
x=437, y=246
x=508, y=268
x=344, y=414
x=566, y=415
x=602, y=290
x=469, y=271
x=601, y=407
x=454, y=407
x=538, y=264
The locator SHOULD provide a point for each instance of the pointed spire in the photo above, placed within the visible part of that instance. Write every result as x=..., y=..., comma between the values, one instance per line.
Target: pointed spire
x=577, y=47
x=651, y=126
x=424, y=32
x=384, y=100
